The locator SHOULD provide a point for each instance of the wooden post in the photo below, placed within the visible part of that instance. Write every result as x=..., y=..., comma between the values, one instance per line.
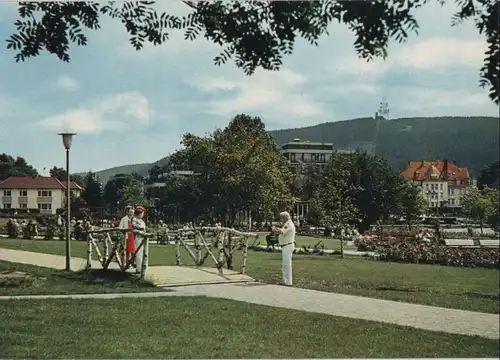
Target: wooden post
x=145, y=252
x=177, y=250
x=106, y=247
x=220, y=247
x=89, y=252
x=197, y=247
x=245, y=253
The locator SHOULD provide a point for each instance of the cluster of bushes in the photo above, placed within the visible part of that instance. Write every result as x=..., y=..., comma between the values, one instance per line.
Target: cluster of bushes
x=46, y=225
x=18, y=213
x=430, y=253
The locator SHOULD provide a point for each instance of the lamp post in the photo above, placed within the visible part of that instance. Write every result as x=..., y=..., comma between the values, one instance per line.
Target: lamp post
x=67, y=139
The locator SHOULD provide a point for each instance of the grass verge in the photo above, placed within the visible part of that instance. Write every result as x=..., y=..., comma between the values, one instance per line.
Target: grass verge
x=21, y=279
x=451, y=287
x=210, y=328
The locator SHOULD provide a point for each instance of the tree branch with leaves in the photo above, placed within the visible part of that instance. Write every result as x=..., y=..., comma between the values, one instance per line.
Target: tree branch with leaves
x=253, y=34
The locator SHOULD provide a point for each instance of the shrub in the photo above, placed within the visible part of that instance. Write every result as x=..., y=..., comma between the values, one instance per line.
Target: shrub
x=12, y=230
x=431, y=253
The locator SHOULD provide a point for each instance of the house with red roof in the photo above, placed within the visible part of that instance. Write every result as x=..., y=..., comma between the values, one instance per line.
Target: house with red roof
x=443, y=183
x=39, y=192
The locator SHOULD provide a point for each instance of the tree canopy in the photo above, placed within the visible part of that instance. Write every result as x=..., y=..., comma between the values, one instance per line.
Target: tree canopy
x=121, y=190
x=254, y=34
x=238, y=168
x=482, y=205
x=10, y=166
x=490, y=176
x=92, y=195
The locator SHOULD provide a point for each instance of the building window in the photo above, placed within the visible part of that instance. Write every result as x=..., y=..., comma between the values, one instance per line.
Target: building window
x=452, y=201
x=45, y=206
x=427, y=186
x=7, y=193
x=23, y=206
x=441, y=186
x=7, y=206
x=292, y=157
x=44, y=193
x=23, y=192
x=322, y=158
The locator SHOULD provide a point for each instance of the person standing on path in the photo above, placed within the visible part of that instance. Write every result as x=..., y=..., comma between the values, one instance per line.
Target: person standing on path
x=126, y=223
x=286, y=239
x=139, y=224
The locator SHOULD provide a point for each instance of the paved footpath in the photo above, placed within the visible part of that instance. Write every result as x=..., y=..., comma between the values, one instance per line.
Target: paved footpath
x=357, y=307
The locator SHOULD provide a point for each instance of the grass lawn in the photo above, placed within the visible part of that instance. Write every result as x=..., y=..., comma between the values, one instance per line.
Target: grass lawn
x=43, y=281
x=209, y=328
x=451, y=287
x=333, y=244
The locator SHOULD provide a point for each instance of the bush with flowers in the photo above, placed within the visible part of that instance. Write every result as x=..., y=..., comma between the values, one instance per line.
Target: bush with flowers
x=433, y=252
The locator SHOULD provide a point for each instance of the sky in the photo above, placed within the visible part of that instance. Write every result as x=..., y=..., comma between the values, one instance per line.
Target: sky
x=133, y=107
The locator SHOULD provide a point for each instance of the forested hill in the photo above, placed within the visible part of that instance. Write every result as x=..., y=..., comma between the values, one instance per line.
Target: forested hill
x=468, y=141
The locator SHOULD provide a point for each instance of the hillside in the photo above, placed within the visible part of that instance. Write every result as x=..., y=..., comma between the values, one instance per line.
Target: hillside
x=468, y=141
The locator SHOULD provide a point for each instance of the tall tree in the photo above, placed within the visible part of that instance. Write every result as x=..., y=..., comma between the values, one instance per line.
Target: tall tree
x=58, y=173
x=239, y=168
x=155, y=173
x=479, y=205
x=490, y=176
x=93, y=190
x=411, y=204
x=493, y=195
x=255, y=34
x=379, y=183
x=133, y=194
x=333, y=193
x=61, y=175
x=114, y=191
x=10, y=166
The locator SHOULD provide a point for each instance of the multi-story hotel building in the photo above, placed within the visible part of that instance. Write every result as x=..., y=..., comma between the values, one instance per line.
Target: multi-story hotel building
x=300, y=153
x=443, y=183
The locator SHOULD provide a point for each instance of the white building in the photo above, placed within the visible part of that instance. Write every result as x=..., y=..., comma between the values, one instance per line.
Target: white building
x=40, y=192
x=300, y=153
x=443, y=183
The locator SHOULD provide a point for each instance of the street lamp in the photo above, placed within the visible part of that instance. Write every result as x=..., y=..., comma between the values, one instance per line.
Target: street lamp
x=67, y=139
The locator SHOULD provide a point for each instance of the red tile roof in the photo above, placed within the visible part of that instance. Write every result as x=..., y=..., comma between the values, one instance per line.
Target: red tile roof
x=434, y=170
x=39, y=182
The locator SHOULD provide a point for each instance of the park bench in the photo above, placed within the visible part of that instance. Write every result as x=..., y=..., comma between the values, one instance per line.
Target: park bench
x=489, y=242
x=459, y=242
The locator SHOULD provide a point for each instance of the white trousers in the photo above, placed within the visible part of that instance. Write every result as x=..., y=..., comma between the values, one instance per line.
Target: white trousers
x=139, y=253
x=286, y=265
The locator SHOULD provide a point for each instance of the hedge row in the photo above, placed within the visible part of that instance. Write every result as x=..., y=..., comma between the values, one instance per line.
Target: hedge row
x=416, y=252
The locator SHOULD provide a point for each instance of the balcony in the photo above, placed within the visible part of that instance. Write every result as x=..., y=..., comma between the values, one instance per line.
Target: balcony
x=44, y=199
x=7, y=199
x=22, y=200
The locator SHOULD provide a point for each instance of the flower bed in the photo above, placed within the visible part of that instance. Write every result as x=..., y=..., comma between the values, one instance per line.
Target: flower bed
x=422, y=253
x=403, y=233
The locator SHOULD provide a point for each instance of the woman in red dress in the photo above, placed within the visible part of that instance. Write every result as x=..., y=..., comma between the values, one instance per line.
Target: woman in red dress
x=126, y=223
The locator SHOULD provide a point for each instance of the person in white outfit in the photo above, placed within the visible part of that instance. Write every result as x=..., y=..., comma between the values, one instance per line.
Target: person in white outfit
x=126, y=223
x=286, y=239
x=139, y=224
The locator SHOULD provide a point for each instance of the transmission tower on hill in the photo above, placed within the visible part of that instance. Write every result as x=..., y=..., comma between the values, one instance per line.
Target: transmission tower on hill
x=383, y=110
x=382, y=113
